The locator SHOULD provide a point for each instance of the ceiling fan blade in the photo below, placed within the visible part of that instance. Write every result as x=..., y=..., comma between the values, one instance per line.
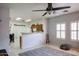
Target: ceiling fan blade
x=59, y=8
x=44, y=14
x=38, y=10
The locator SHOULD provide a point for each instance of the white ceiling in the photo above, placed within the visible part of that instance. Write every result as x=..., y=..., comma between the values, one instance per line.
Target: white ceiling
x=24, y=10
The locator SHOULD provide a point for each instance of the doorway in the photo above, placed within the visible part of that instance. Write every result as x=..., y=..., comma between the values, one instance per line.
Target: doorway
x=17, y=28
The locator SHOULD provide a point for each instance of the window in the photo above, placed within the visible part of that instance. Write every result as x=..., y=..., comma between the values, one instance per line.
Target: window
x=75, y=31
x=60, y=30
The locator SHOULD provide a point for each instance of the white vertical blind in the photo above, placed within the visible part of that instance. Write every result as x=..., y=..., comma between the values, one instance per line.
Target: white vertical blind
x=63, y=34
x=75, y=31
x=58, y=27
x=60, y=31
x=74, y=26
x=58, y=34
x=62, y=26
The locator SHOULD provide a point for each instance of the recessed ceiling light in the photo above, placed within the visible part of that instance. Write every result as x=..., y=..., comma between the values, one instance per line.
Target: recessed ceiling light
x=18, y=18
x=28, y=20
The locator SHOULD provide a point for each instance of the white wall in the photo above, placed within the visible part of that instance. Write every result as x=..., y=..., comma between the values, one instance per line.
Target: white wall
x=4, y=28
x=67, y=19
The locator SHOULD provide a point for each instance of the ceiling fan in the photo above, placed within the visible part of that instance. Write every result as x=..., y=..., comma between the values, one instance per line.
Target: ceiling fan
x=50, y=8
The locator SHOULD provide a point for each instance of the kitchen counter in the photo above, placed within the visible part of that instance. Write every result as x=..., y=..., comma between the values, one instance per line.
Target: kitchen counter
x=32, y=39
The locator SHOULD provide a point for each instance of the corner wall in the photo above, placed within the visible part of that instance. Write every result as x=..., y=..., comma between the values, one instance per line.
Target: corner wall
x=4, y=28
x=67, y=19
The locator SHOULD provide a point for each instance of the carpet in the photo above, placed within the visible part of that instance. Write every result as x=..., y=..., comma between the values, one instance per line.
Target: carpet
x=45, y=51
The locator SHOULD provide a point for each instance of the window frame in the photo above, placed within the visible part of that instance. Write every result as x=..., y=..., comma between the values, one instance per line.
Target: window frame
x=77, y=30
x=61, y=31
